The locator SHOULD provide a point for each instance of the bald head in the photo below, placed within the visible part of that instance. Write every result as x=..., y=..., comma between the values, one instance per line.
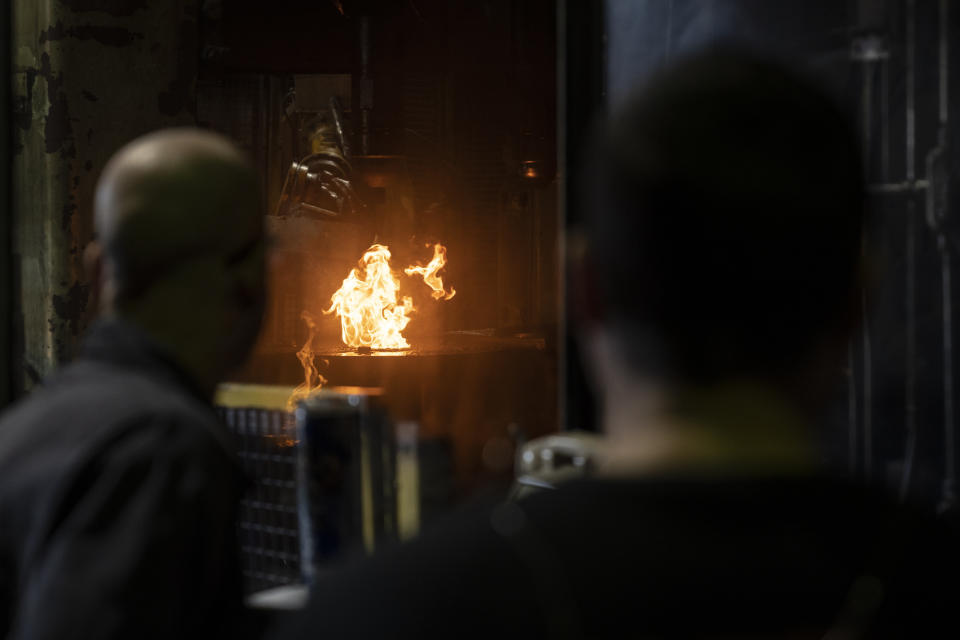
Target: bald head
x=168, y=197
x=180, y=233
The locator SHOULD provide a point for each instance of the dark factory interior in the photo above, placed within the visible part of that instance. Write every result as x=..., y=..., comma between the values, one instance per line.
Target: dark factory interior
x=425, y=174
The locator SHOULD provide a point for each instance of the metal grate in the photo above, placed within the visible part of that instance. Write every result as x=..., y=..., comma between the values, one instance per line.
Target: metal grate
x=268, y=530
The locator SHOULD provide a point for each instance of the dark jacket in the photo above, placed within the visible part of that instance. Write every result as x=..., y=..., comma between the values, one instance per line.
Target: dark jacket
x=657, y=558
x=118, y=493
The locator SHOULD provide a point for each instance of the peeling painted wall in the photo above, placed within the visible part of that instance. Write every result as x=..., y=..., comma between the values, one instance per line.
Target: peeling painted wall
x=89, y=76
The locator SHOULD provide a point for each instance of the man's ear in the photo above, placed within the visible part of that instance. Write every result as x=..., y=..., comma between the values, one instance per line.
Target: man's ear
x=95, y=271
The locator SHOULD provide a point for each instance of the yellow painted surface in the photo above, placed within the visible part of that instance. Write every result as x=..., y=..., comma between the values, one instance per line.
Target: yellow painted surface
x=259, y=396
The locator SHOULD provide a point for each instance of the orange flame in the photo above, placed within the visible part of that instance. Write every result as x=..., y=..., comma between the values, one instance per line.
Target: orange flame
x=366, y=302
x=430, y=276
x=312, y=380
x=372, y=313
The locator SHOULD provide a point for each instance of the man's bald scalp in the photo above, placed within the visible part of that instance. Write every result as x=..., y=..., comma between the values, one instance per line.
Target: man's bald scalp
x=169, y=196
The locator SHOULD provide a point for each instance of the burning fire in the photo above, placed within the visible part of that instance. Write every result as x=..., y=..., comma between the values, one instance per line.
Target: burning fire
x=366, y=303
x=312, y=380
x=430, y=276
x=372, y=312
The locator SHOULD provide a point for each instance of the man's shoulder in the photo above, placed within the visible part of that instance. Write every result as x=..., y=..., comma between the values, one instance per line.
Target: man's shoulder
x=648, y=551
x=766, y=549
x=121, y=389
x=685, y=513
x=88, y=406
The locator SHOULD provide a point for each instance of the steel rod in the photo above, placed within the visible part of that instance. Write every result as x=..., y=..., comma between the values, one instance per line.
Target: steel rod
x=949, y=427
x=910, y=378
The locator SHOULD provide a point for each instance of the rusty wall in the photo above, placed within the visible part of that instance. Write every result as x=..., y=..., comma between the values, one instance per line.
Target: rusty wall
x=88, y=76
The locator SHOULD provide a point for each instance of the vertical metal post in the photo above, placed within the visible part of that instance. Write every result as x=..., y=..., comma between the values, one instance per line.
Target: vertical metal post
x=867, y=389
x=866, y=98
x=911, y=54
x=910, y=378
x=944, y=52
x=949, y=431
x=910, y=257
x=910, y=279
x=852, y=448
x=949, y=434
x=869, y=51
x=563, y=342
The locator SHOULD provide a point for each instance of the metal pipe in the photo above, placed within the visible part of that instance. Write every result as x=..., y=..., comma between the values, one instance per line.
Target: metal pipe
x=336, y=112
x=851, y=412
x=911, y=258
x=910, y=88
x=949, y=428
x=866, y=107
x=949, y=480
x=867, y=51
x=867, y=389
x=867, y=351
x=944, y=61
x=910, y=382
x=910, y=420
x=885, y=120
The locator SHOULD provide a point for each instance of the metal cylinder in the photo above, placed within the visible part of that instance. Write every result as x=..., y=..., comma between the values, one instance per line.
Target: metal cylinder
x=346, y=479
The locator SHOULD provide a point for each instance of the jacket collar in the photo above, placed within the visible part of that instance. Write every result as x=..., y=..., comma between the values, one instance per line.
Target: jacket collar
x=124, y=344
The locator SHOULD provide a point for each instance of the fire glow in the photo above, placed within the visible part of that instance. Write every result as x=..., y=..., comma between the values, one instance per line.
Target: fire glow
x=312, y=380
x=372, y=312
x=430, y=276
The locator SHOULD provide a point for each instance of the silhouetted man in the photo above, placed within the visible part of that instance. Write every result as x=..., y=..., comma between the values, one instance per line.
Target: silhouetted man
x=118, y=486
x=721, y=266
